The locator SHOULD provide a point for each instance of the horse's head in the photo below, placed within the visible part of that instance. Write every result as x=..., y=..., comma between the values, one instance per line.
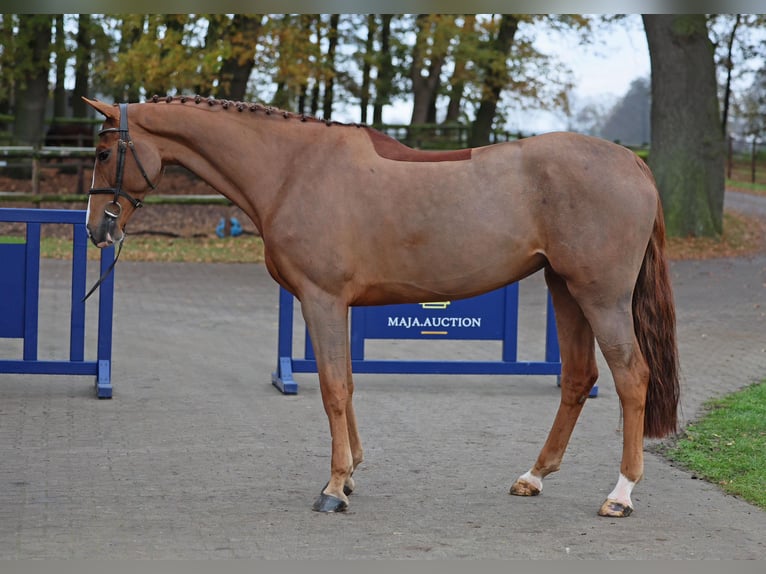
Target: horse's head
x=125, y=171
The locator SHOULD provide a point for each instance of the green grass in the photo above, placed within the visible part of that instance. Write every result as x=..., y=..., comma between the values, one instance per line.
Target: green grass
x=243, y=249
x=11, y=239
x=746, y=185
x=727, y=446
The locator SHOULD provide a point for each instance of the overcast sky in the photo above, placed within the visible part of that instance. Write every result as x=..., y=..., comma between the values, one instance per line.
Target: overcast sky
x=603, y=70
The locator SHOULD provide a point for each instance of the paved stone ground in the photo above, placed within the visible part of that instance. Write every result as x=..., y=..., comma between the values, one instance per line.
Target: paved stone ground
x=198, y=456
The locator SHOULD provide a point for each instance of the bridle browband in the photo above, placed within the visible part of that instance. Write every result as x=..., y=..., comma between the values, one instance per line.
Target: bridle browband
x=123, y=145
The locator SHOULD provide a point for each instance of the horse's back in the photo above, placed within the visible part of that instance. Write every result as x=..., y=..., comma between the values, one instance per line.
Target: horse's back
x=555, y=160
x=563, y=174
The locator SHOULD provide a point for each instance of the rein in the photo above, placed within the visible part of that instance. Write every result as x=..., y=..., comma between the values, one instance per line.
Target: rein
x=113, y=209
x=105, y=275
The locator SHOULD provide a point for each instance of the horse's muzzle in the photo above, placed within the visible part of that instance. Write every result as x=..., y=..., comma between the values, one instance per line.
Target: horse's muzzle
x=106, y=233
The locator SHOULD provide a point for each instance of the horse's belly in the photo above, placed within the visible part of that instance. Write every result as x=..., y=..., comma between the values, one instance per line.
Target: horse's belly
x=448, y=277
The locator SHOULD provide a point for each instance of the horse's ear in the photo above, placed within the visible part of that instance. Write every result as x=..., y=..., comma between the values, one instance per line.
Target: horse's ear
x=110, y=111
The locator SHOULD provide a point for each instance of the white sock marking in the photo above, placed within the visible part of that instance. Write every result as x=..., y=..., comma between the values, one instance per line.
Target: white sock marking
x=621, y=492
x=535, y=481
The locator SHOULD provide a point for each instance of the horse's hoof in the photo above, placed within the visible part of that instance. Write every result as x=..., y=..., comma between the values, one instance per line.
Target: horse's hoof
x=615, y=509
x=329, y=503
x=523, y=488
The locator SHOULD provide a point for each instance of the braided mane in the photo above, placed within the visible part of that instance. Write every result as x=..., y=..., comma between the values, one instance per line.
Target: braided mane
x=385, y=146
x=247, y=106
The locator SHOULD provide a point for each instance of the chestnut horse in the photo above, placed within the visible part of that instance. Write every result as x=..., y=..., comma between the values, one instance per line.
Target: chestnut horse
x=349, y=216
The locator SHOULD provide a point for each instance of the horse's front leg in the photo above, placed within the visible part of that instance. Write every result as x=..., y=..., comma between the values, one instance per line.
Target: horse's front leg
x=355, y=441
x=327, y=321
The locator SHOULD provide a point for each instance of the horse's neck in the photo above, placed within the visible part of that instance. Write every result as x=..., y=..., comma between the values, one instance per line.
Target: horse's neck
x=246, y=159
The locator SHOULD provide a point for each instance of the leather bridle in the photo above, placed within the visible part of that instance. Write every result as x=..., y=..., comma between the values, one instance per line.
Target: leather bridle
x=123, y=145
x=113, y=209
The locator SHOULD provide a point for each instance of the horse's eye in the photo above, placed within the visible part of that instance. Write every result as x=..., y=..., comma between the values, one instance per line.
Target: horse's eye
x=103, y=155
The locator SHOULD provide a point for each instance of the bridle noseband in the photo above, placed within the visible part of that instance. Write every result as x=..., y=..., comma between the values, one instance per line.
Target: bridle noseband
x=123, y=144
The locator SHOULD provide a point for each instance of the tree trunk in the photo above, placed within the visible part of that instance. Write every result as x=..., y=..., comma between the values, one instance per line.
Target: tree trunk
x=236, y=69
x=314, y=106
x=495, y=78
x=457, y=84
x=82, y=66
x=59, y=48
x=431, y=111
x=329, y=82
x=424, y=84
x=729, y=68
x=7, y=76
x=364, y=100
x=383, y=83
x=307, y=22
x=35, y=47
x=687, y=149
x=302, y=96
x=281, y=97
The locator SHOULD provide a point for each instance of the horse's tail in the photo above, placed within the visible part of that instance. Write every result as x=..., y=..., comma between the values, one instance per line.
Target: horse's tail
x=654, y=321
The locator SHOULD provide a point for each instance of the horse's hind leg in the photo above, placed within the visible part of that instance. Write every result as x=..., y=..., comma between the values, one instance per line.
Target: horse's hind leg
x=578, y=375
x=617, y=341
x=611, y=318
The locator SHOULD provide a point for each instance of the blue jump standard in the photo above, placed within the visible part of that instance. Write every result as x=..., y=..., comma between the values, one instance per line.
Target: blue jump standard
x=20, y=292
x=492, y=316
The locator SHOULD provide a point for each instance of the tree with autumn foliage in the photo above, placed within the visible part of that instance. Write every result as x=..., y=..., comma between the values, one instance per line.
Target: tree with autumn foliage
x=310, y=62
x=480, y=64
x=466, y=68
